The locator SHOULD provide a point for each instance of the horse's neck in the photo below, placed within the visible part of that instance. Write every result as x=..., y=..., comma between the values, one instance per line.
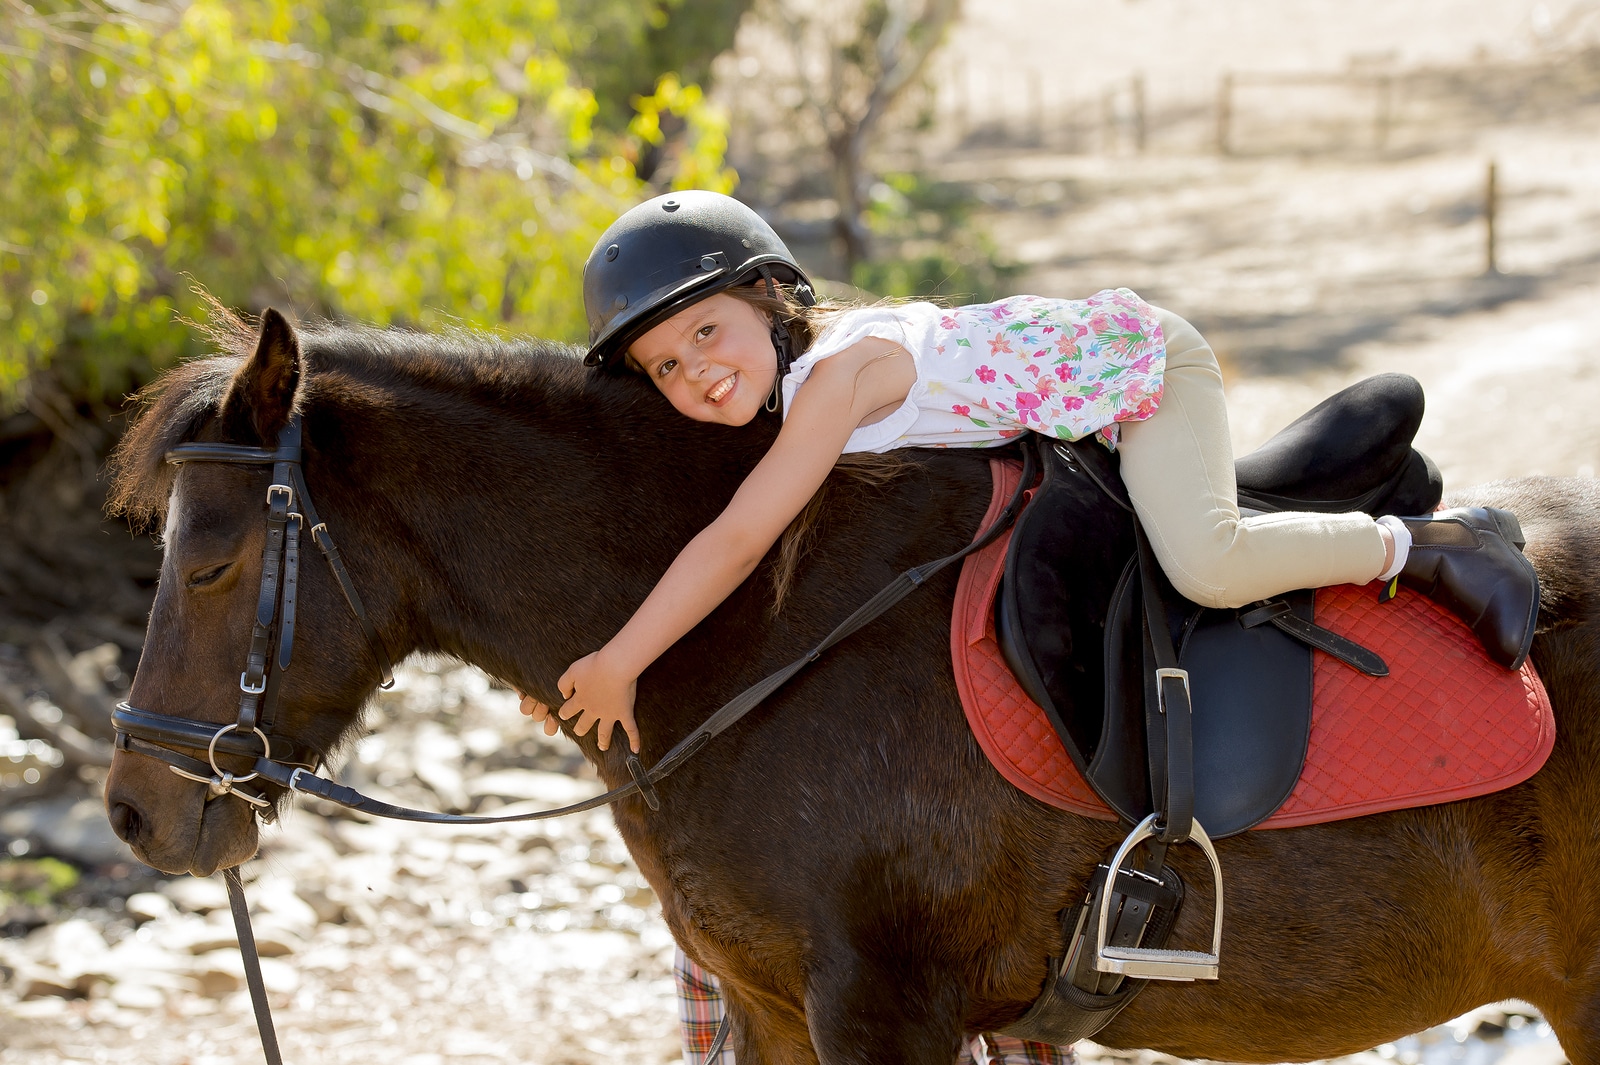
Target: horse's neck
x=520, y=539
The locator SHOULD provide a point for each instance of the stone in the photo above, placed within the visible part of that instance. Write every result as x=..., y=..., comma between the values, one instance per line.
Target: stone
x=219, y=973
x=45, y=983
x=196, y=894
x=150, y=906
x=73, y=948
x=195, y=936
x=529, y=784
x=280, y=977
x=135, y=995
x=275, y=896
x=72, y=828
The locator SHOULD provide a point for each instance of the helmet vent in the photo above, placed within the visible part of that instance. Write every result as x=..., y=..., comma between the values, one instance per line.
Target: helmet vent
x=670, y=205
x=611, y=253
x=620, y=302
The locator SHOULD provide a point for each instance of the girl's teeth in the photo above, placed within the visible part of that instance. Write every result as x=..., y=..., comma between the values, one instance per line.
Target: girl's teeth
x=723, y=387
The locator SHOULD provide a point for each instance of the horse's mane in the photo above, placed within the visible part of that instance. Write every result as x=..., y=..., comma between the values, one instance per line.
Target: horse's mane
x=174, y=407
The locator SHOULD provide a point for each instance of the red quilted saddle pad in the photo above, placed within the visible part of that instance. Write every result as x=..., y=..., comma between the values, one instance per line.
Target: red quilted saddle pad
x=1446, y=724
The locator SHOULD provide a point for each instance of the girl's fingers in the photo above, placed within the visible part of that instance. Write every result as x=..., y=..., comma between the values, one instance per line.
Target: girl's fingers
x=552, y=725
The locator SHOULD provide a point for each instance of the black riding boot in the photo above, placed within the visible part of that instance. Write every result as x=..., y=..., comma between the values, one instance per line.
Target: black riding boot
x=1470, y=560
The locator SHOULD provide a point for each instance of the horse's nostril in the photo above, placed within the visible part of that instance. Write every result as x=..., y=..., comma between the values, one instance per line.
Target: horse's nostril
x=125, y=822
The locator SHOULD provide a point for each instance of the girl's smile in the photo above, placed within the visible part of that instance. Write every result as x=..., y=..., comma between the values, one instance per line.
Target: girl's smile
x=720, y=390
x=714, y=361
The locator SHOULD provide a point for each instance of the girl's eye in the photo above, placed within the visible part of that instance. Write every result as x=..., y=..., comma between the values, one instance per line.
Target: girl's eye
x=666, y=367
x=208, y=576
x=705, y=331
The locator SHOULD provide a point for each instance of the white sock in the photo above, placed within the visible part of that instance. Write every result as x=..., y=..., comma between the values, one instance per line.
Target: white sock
x=1402, y=545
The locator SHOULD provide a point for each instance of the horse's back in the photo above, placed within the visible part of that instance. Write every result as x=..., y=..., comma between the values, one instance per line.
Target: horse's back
x=1561, y=518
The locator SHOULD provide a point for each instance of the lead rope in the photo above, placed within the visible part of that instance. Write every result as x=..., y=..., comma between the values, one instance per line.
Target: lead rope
x=252, y=965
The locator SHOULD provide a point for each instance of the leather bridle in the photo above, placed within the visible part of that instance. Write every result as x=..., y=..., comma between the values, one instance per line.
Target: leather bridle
x=251, y=734
x=292, y=765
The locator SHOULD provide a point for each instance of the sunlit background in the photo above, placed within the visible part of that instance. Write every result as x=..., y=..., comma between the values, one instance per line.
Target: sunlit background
x=1327, y=188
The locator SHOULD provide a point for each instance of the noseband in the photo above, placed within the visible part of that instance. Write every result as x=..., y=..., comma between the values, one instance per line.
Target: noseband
x=289, y=510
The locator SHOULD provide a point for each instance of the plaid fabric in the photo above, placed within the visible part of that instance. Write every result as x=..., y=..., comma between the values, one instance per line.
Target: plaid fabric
x=700, y=1013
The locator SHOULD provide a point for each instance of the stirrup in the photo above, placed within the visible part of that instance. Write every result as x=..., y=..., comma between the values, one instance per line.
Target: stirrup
x=1149, y=963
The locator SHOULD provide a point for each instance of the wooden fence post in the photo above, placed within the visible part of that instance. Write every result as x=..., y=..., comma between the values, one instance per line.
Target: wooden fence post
x=1110, y=138
x=1035, y=107
x=1382, y=117
x=1224, y=112
x=1139, y=127
x=1491, y=197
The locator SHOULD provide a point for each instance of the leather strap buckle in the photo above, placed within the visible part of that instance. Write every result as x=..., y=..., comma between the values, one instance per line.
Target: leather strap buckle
x=1166, y=673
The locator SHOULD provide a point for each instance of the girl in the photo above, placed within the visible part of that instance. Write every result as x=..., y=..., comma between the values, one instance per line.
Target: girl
x=683, y=288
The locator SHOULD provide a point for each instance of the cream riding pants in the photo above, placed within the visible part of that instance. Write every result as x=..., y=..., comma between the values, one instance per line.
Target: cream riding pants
x=1178, y=466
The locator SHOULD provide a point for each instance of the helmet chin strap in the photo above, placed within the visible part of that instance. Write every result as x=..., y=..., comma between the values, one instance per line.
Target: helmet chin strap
x=782, y=343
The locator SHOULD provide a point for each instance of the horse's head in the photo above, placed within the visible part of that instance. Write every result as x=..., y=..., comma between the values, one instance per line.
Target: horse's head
x=215, y=629
x=492, y=500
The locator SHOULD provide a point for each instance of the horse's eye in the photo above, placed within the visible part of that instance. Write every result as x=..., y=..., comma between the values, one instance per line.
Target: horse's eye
x=208, y=576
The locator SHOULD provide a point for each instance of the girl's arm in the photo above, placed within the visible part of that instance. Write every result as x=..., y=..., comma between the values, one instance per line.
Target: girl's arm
x=841, y=392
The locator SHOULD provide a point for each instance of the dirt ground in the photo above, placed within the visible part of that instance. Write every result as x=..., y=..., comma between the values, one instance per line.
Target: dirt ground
x=421, y=945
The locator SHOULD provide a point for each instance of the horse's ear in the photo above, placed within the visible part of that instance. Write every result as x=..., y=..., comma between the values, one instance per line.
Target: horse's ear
x=261, y=397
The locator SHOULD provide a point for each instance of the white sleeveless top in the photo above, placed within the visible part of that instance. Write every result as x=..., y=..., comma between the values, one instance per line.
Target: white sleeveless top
x=987, y=372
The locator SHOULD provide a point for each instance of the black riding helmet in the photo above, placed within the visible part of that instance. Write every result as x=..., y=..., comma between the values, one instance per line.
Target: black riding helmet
x=674, y=251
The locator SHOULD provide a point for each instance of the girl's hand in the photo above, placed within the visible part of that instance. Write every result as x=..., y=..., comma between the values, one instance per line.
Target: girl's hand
x=539, y=712
x=598, y=695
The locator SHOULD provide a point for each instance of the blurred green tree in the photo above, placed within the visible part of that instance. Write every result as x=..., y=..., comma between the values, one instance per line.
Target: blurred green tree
x=412, y=162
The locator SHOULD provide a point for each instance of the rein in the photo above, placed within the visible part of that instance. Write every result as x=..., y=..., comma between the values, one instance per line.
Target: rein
x=293, y=766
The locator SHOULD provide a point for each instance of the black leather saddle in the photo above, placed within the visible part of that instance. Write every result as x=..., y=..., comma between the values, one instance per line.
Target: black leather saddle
x=1070, y=617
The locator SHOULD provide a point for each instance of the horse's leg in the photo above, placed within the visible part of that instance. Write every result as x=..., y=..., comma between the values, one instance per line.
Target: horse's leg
x=763, y=1031
x=1579, y=1032
x=867, y=1012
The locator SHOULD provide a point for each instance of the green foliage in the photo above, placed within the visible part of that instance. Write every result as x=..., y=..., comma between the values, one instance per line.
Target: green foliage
x=412, y=162
x=34, y=882
x=930, y=244
x=625, y=45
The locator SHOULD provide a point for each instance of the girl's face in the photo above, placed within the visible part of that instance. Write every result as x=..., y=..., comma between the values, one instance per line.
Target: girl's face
x=713, y=361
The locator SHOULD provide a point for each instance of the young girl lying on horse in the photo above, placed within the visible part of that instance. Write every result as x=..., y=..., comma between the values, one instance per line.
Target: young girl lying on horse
x=695, y=291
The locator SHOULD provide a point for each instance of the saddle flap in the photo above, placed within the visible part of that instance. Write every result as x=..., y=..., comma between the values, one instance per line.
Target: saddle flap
x=1251, y=694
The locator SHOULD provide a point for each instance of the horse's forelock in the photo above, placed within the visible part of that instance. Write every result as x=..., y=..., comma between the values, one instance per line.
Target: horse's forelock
x=167, y=412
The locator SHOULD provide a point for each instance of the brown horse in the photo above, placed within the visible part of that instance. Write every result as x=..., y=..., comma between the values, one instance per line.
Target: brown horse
x=845, y=859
